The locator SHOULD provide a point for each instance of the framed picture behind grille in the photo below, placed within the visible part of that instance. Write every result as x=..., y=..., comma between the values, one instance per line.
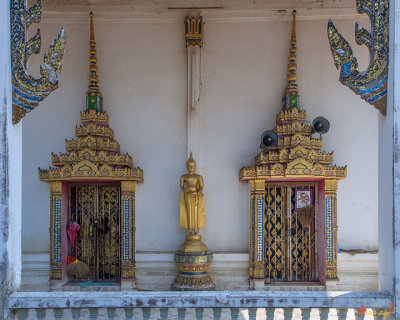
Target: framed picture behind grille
x=303, y=198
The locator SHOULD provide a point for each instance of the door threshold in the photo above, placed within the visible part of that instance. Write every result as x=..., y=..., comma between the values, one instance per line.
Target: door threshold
x=295, y=283
x=92, y=286
x=295, y=286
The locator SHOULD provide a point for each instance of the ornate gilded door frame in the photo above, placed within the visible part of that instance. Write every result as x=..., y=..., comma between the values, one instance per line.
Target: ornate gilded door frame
x=257, y=257
x=128, y=234
x=57, y=235
x=331, y=229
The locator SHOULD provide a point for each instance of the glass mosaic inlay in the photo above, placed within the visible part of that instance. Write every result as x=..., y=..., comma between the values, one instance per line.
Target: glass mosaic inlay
x=329, y=231
x=259, y=228
x=133, y=229
x=57, y=230
x=253, y=223
x=125, y=229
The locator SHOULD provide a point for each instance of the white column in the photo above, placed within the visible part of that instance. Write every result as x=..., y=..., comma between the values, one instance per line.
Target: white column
x=394, y=87
x=389, y=170
x=193, y=96
x=10, y=172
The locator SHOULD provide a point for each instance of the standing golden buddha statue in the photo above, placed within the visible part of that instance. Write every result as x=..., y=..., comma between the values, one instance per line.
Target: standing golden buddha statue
x=192, y=213
x=193, y=258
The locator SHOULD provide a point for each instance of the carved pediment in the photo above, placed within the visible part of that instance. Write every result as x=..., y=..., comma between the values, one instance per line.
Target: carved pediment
x=93, y=155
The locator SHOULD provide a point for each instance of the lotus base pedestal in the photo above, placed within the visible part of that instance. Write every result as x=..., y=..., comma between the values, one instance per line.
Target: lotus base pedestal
x=193, y=260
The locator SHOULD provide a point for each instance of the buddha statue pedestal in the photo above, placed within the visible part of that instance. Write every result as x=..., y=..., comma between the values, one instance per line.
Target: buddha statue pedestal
x=193, y=260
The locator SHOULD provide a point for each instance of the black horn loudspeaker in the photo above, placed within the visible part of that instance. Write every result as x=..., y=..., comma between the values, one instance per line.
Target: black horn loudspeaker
x=268, y=139
x=320, y=125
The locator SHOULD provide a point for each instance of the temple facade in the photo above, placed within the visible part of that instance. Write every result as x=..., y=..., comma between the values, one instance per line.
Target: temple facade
x=160, y=129
x=289, y=205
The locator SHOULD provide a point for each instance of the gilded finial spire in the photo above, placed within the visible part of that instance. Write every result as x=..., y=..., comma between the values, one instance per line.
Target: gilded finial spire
x=93, y=96
x=291, y=98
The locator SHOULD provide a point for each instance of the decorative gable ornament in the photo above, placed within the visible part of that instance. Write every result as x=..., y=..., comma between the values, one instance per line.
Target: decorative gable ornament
x=27, y=91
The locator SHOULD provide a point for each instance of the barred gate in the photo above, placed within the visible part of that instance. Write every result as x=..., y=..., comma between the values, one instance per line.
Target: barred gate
x=290, y=251
x=97, y=210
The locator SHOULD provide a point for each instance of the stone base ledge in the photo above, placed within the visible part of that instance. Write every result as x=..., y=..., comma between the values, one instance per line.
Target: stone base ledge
x=156, y=271
x=358, y=272
x=204, y=299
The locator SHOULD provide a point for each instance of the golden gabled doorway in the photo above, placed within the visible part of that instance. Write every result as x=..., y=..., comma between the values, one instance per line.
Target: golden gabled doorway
x=289, y=245
x=96, y=209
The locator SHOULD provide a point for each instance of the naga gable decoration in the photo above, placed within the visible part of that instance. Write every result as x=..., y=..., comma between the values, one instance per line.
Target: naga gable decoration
x=370, y=84
x=28, y=91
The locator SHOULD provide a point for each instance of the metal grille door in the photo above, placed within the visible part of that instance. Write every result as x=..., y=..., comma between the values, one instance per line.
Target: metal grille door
x=289, y=248
x=96, y=209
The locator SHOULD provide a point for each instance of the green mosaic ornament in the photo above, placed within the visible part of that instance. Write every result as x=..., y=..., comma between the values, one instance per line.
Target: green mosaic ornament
x=93, y=101
x=293, y=101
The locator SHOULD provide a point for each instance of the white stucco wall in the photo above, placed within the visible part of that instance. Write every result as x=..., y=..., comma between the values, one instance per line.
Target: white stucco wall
x=142, y=69
x=11, y=171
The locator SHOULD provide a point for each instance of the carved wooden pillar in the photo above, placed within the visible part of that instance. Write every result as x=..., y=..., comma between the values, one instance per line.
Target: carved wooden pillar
x=331, y=229
x=56, y=214
x=257, y=198
x=128, y=234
